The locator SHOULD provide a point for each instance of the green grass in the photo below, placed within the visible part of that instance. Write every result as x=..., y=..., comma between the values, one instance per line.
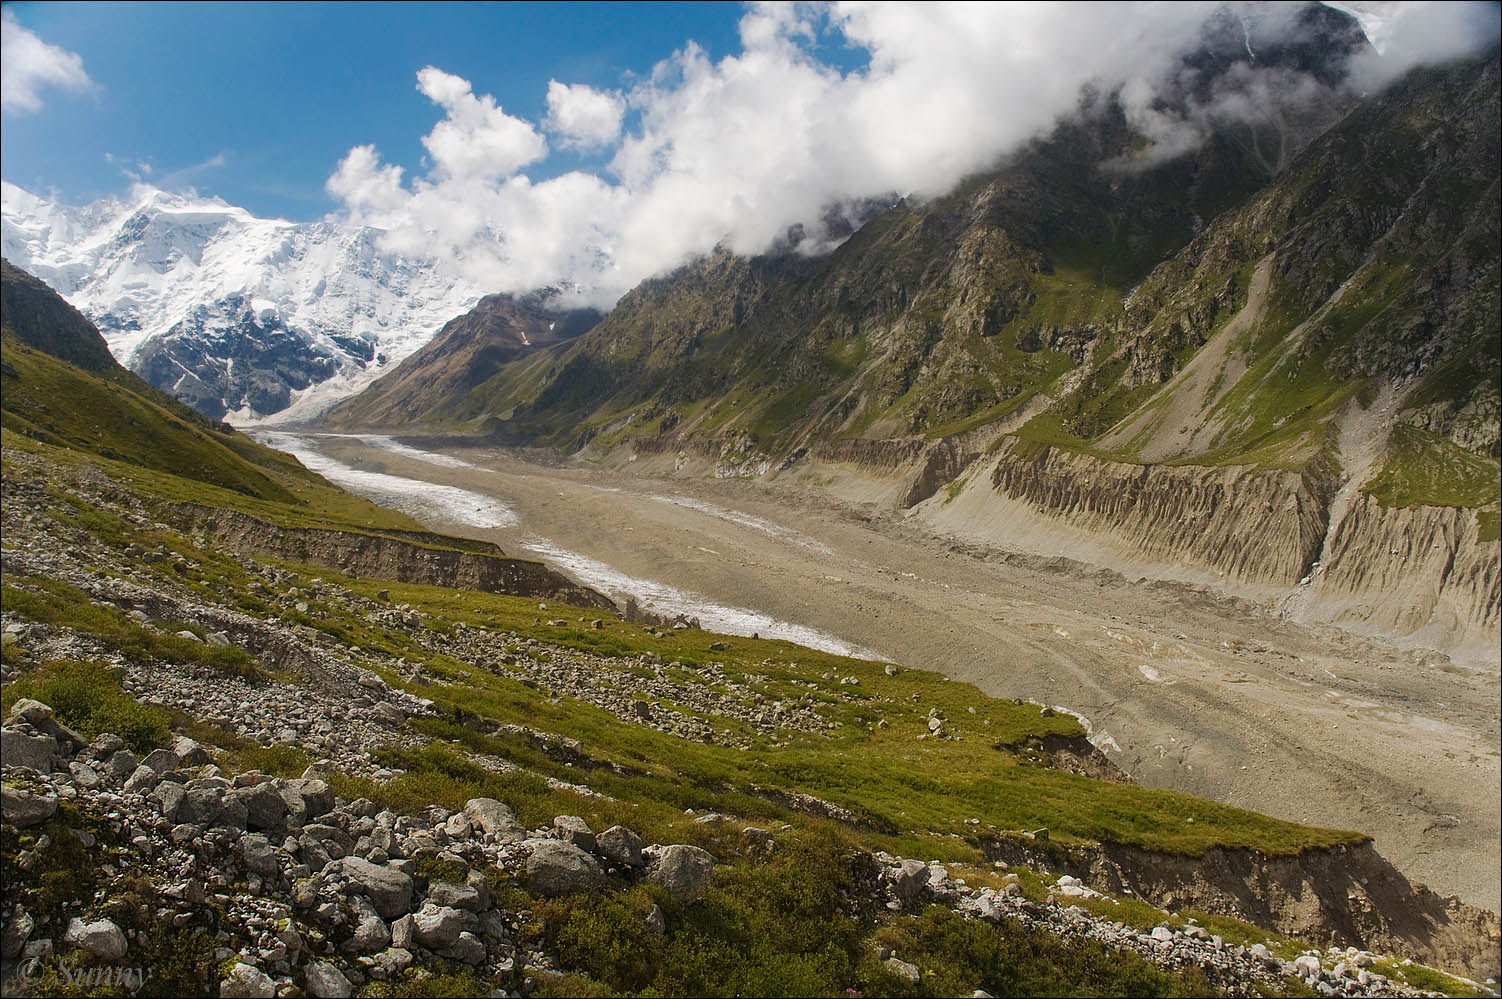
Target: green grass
x=86, y=696
x=55, y=402
x=913, y=795
x=1422, y=469
x=49, y=601
x=778, y=925
x=1428, y=979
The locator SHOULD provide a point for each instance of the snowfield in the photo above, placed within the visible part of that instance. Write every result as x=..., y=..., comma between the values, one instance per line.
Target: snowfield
x=203, y=278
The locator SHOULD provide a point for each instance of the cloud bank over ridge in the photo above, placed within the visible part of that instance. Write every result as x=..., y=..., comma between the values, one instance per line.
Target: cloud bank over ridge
x=733, y=152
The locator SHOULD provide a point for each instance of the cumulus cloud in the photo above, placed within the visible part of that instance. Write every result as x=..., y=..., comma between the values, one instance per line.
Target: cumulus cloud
x=733, y=152
x=476, y=140
x=27, y=64
x=584, y=118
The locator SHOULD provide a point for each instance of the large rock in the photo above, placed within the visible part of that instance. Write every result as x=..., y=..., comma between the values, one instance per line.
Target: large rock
x=102, y=939
x=169, y=799
x=190, y=752
x=572, y=829
x=903, y=970
x=556, y=868
x=683, y=871
x=446, y=893
x=246, y=981
x=620, y=846
x=438, y=926
x=258, y=854
x=317, y=797
x=335, y=841
x=911, y=880
x=122, y=763
x=159, y=761
x=17, y=932
x=35, y=752
x=492, y=817
x=371, y=935
x=325, y=981
x=23, y=808
x=388, y=889
x=265, y=811
x=39, y=716
x=202, y=806
x=469, y=949
x=403, y=934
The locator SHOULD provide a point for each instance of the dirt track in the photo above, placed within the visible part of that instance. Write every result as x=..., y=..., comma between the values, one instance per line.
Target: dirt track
x=1199, y=692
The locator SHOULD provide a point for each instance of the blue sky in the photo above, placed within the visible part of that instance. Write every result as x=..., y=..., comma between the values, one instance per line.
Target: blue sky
x=257, y=103
x=594, y=145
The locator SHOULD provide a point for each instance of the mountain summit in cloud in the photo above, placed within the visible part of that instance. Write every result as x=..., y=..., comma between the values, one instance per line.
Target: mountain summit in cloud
x=734, y=152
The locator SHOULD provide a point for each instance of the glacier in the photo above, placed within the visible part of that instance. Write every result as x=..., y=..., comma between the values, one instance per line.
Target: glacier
x=256, y=321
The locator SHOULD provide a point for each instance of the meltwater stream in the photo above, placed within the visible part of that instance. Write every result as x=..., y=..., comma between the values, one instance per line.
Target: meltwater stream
x=440, y=504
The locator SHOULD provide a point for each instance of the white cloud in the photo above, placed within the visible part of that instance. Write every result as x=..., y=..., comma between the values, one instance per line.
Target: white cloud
x=476, y=139
x=583, y=117
x=27, y=64
x=734, y=152
x=1405, y=34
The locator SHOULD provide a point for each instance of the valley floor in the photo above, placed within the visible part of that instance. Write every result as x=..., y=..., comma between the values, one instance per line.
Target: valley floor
x=1182, y=686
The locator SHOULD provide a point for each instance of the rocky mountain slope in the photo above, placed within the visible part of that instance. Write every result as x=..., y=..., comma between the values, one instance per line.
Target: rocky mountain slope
x=451, y=377
x=233, y=770
x=1168, y=360
x=239, y=316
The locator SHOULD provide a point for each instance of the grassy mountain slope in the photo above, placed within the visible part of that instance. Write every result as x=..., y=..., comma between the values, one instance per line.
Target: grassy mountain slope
x=1075, y=299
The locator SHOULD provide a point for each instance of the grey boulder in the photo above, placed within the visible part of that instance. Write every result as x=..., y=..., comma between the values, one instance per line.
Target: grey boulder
x=556, y=868
x=620, y=846
x=683, y=870
x=23, y=808
x=102, y=939
x=388, y=889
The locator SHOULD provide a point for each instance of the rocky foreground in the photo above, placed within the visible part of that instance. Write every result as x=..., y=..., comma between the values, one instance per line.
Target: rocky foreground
x=299, y=891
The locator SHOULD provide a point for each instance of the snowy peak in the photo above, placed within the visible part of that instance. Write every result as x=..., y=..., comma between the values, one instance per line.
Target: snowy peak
x=255, y=320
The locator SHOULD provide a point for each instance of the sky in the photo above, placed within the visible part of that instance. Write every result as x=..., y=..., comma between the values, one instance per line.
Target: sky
x=593, y=145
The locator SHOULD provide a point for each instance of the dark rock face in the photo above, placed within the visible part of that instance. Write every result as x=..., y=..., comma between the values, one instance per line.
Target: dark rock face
x=226, y=357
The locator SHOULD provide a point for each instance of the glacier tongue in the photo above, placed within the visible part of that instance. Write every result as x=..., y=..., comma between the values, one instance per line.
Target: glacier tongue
x=255, y=320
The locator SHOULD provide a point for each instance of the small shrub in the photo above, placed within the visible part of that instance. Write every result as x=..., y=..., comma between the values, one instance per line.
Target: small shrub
x=87, y=697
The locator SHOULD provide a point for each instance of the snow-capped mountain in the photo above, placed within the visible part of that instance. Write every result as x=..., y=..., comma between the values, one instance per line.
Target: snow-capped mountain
x=248, y=319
